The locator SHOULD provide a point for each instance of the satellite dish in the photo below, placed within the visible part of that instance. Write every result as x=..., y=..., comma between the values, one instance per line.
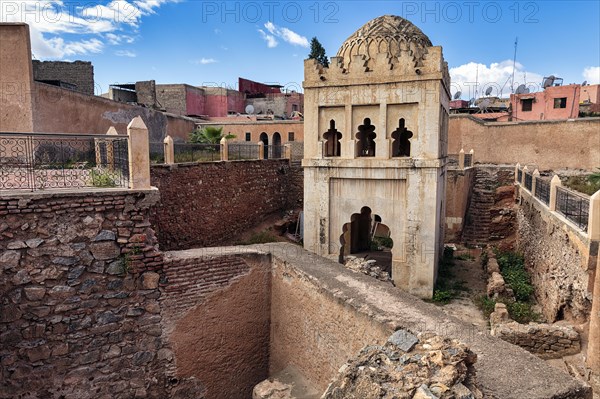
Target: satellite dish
x=472, y=101
x=584, y=83
x=484, y=104
x=250, y=109
x=457, y=95
x=549, y=81
x=522, y=89
x=488, y=91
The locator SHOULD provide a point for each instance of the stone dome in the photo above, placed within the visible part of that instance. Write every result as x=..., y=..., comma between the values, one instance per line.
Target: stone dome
x=388, y=34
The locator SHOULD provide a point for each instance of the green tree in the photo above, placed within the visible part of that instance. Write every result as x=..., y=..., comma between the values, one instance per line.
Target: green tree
x=209, y=135
x=317, y=52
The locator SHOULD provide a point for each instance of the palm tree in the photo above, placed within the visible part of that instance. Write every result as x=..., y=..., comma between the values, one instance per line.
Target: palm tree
x=209, y=135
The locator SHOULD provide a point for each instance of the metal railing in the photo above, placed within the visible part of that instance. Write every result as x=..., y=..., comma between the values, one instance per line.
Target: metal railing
x=242, y=151
x=519, y=175
x=38, y=161
x=468, y=160
x=573, y=206
x=528, y=181
x=542, y=190
x=190, y=152
x=157, y=152
x=274, y=151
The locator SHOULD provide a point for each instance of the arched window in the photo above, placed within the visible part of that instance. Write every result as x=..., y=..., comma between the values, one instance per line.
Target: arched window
x=401, y=143
x=332, y=141
x=366, y=139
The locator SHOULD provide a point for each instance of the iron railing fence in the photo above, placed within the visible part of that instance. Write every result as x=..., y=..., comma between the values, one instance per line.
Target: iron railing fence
x=242, y=151
x=542, y=190
x=39, y=161
x=274, y=151
x=528, y=181
x=157, y=152
x=573, y=206
x=519, y=175
x=468, y=160
x=192, y=152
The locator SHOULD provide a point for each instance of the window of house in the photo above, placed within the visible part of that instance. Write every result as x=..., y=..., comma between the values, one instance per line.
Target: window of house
x=527, y=104
x=248, y=136
x=560, y=102
x=290, y=136
x=294, y=107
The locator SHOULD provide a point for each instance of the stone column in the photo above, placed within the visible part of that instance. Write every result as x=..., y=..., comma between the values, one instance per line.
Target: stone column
x=517, y=167
x=261, y=150
x=461, y=159
x=594, y=217
x=525, y=170
x=139, y=155
x=472, y=152
x=224, y=150
x=536, y=175
x=169, y=150
x=554, y=183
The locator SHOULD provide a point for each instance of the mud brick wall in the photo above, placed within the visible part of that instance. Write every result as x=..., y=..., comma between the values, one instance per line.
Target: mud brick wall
x=79, y=310
x=78, y=73
x=217, y=309
x=212, y=203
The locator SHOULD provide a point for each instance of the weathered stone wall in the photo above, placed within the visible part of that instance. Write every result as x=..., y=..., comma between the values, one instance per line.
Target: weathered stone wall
x=560, y=261
x=78, y=73
x=205, y=204
x=79, y=311
x=216, y=314
x=459, y=184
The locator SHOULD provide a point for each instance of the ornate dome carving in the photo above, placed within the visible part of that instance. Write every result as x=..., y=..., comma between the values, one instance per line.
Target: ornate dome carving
x=388, y=34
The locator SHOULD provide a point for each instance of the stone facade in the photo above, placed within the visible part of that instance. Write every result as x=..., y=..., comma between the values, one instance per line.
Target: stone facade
x=205, y=204
x=375, y=146
x=80, y=74
x=79, y=310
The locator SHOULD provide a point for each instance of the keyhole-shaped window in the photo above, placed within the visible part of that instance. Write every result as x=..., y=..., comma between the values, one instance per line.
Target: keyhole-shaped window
x=401, y=143
x=332, y=141
x=366, y=139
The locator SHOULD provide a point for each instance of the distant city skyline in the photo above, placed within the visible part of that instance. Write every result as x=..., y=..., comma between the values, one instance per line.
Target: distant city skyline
x=209, y=43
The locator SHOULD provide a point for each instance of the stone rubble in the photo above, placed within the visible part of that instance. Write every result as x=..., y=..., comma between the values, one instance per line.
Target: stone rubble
x=368, y=267
x=432, y=367
x=272, y=389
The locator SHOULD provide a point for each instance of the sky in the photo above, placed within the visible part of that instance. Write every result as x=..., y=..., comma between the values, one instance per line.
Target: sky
x=212, y=43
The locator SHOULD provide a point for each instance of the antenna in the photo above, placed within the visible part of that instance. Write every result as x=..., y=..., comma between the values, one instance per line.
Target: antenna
x=250, y=109
x=512, y=82
x=488, y=91
x=476, y=79
x=457, y=95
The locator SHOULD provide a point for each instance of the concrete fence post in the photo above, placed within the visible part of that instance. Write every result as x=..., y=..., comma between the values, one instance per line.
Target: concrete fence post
x=554, y=183
x=525, y=170
x=224, y=149
x=261, y=150
x=535, y=176
x=169, y=148
x=139, y=155
x=517, y=167
x=461, y=159
x=472, y=152
x=594, y=218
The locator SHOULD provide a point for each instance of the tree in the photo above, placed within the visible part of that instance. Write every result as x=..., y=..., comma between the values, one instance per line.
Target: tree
x=317, y=52
x=209, y=135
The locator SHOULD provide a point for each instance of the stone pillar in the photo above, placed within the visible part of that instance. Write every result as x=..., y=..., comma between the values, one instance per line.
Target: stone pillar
x=169, y=150
x=472, y=152
x=139, y=155
x=461, y=159
x=593, y=350
x=554, y=183
x=261, y=150
x=536, y=175
x=594, y=217
x=525, y=170
x=224, y=149
x=517, y=167
x=287, y=151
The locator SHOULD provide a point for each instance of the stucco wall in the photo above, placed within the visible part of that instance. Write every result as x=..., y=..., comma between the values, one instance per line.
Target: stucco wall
x=458, y=196
x=548, y=144
x=239, y=129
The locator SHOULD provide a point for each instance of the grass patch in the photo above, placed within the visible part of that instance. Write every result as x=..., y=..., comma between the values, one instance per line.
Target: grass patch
x=260, y=238
x=103, y=178
x=485, y=304
x=587, y=184
x=446, y=288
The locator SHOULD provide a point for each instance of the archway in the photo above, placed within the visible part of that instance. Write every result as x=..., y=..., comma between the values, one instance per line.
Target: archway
x=332, y=141
x=366, y=139
x=265, y=139
x=401, y=143
x=276, y=153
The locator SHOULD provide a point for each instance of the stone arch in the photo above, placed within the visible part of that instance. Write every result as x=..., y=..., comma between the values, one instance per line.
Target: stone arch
x=366, y=139
x=276, y=145
x=359, y=234
x=332, y=141
x=264, y=137
x=401, y=140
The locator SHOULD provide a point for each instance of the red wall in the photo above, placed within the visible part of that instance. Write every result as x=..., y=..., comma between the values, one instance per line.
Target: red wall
x=252, y=87
x=195, y=102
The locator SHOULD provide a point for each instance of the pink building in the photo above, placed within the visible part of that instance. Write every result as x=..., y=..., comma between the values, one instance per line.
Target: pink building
x=555, y=102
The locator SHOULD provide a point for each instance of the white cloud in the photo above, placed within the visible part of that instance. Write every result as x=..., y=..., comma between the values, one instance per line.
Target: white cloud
x=49, y=20
x=497, y=75
x=204, y=61
x=270, y=39
x=125, y=53
x=592, y=75
x=285, y=34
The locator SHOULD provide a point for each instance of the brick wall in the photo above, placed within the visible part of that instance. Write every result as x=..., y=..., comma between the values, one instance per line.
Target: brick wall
x=79, y=311
x=78, y=73
x=208, y=204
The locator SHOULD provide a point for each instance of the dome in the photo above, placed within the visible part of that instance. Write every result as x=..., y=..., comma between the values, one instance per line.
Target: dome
x=388, y=34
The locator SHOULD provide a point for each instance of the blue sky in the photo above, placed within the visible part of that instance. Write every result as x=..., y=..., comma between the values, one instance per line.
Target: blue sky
x=214, y=42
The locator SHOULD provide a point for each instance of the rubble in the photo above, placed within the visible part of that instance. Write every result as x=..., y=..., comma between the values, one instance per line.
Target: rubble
x=272, y=389
x=433, y=368
x=368, y=267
